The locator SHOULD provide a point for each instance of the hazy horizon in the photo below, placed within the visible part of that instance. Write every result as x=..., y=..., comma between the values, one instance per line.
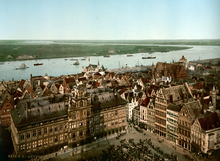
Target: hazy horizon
x=109, y=20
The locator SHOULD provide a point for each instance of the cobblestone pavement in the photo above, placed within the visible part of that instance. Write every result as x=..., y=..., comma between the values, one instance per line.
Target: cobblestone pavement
x=102, y=144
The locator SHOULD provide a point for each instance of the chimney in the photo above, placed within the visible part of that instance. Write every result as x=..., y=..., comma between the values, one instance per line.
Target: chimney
x=196, y=112
x=183, y=97
x=171, y=98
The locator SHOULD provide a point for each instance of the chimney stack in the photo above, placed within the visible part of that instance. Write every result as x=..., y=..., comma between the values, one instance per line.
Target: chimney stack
x=183, y=97
x=171, y=98
x=196, y=112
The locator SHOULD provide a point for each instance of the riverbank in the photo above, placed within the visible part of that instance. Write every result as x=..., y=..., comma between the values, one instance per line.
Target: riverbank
x=212, y=61
x=48, y=51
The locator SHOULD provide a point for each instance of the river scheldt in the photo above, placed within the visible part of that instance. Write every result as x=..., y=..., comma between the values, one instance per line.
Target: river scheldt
x=57, y=67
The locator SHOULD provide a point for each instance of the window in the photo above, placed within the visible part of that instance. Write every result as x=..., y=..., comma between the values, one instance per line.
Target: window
x=55, y=139
x=73, y=125
x=55, y=129
x=28, y=146
x=81, y=133
x=61, y=137
x=22, y=147
x=74, y=135
x=39, y=132
x=34, y=144
x=50, y=129
x=51, y=140
x=61, y=127
x=21, y=136
x=34, y=133
x=116, y=113
x=40, y=143
x=46, y=141
x=45, y=130
x=28, y=135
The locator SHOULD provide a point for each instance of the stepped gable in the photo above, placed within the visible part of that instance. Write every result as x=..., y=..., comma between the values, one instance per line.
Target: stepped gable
x=33, y=111
x=210, y=122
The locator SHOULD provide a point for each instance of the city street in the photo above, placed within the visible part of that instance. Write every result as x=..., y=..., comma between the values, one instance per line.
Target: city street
x=163, y=144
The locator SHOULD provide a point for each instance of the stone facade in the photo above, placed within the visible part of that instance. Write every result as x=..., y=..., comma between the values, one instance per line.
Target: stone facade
x=44, y=125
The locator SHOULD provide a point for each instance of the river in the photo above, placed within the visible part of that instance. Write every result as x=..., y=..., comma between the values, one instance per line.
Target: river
x=57, y=67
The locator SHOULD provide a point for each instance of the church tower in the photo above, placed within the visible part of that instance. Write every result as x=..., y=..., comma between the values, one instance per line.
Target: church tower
x=214, y=98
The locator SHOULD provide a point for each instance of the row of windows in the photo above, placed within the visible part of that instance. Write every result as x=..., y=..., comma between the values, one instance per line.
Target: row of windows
x=160, y=121
x=159, y=113
x=172, y=121
x=40, y=132
x=160, y=128
x=162, y=107
x=42, y=142
x=184, y=123
x=172, y=115
x=184, y=132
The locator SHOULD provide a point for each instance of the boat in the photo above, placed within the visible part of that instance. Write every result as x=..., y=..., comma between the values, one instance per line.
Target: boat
x=2, y=63
x=73, y=59
x=23, y=66
x=129, y=55
x=149, y=57
x=106, y=56
x=83, y=59
x=76, y=63
x=38, y=64
x=65, y=59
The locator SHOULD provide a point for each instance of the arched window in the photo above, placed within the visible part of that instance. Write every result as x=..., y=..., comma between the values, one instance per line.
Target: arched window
x=81, y=103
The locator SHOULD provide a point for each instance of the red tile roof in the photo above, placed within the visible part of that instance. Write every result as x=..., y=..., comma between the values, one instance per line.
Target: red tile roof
x=210, y=122
x=146, y=101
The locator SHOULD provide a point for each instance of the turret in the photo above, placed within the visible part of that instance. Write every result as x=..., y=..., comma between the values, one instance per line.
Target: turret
x=214, y=98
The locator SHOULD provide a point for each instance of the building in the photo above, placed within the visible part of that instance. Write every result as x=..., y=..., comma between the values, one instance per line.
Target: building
x=205, y=134
x=40, y=126
x=175, y=71
x=172, y=122
x=47, y=124
x=5, y=117
x=143, y=113
x=151, y=116
x=189, y=112
x=176, y=95
x=136, y=115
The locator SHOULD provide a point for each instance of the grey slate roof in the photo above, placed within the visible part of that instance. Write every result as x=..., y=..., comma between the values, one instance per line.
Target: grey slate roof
x=35, y=111
x=177, y=92
x=106, y=100
x=173, y=107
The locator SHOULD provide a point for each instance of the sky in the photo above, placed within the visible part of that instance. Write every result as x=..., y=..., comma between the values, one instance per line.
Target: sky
x=109, y=19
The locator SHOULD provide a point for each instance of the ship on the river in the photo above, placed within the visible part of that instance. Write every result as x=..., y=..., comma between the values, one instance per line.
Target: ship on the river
x=76, y=63
x=23, y=66
x=38, y=64
x=129, y=55
x=149, y=57
x=106, y=56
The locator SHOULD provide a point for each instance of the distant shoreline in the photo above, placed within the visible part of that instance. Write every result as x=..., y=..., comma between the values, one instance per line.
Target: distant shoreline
x=213, y=60
x=11, y=52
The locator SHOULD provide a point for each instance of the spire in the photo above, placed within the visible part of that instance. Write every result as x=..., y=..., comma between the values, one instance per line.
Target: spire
x=89, y=60
x=213, y=90
x=98, y=62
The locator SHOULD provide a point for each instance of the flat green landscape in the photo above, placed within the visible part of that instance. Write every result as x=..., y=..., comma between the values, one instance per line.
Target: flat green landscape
x=74, y=48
